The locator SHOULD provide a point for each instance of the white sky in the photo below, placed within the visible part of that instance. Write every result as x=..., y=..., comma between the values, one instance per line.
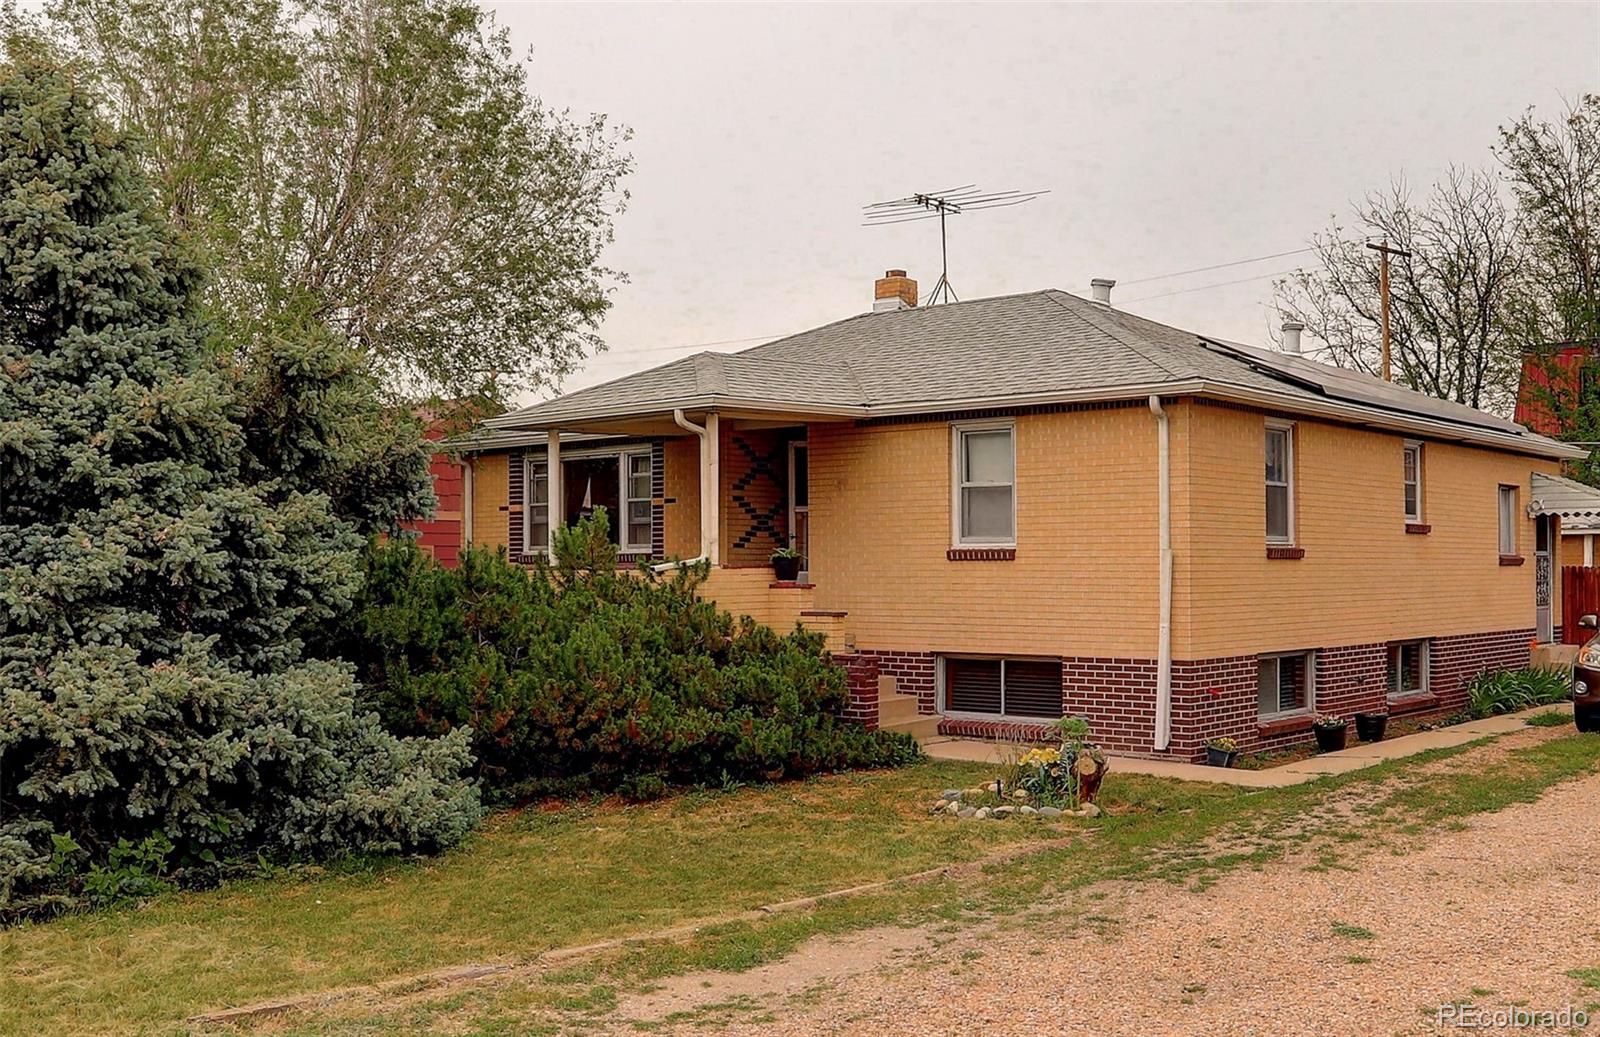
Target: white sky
x=1169, y=136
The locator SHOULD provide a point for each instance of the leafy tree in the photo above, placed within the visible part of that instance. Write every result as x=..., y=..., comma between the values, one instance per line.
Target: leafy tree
x=378, y=165
x=156, y=585
x=1448, y=336
x=1554, y=172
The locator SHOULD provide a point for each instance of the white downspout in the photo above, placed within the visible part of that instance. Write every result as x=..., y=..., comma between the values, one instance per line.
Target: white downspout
x=1164, y=645
x=707, y=446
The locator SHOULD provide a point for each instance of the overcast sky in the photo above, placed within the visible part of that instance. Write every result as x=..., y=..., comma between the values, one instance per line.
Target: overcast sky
x=1170, y=137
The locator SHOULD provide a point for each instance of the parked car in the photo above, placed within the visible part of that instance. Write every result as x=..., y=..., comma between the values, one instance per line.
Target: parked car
x=1586, y=679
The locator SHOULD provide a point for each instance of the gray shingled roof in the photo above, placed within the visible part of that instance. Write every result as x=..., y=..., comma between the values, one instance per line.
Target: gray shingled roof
x=990, y=352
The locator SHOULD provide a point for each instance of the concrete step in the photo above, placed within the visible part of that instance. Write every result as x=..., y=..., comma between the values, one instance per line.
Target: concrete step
x=896, y=707
x=922, y=728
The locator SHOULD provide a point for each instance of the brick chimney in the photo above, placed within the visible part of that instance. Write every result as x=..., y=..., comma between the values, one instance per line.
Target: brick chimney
x=894, y=291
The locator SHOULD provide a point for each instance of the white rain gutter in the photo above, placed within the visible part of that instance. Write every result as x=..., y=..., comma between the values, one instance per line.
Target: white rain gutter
x=708, y=502
x=1164, y=638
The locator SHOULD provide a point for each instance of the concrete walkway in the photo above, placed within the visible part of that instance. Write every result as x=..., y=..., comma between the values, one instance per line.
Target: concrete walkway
x=1362, y=754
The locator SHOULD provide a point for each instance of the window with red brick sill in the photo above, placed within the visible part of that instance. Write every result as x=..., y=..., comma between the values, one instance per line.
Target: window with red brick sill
x=1285, y=684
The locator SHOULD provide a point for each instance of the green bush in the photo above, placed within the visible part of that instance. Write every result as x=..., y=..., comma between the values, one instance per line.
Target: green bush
x=1494, y=692
x=160, y=719
x=575, y=675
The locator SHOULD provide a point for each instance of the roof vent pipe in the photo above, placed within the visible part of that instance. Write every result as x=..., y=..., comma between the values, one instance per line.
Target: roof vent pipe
x=1291, y=336
x=1101, y=288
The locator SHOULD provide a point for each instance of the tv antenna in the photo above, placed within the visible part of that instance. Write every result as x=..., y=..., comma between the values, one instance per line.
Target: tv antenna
x=938, y=205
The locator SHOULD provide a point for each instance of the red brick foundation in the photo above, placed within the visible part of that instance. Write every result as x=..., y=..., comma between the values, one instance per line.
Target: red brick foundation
x=1210, y=697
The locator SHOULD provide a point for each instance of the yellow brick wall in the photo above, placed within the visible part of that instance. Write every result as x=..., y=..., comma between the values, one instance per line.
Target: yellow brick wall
x=1363, y=578
x=1084, y=578
x=489, y=497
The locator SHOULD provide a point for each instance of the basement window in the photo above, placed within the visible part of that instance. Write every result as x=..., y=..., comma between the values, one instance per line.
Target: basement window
x=1408, y=669
x=1285, y=683
x=1025, y=688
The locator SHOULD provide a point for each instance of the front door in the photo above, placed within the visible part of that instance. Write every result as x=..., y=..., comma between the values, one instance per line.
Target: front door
x=1543, y=574
x=800, y=505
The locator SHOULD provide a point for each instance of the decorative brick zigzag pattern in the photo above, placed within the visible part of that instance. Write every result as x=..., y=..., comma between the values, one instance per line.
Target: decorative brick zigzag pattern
x=762, y=522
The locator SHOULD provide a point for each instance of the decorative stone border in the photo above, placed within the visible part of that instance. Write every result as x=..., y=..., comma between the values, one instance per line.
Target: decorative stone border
x=952, y=803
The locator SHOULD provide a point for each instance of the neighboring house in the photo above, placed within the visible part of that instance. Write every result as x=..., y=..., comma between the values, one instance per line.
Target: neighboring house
x=1559, y=371
x=442, y=536
x=1024, y=506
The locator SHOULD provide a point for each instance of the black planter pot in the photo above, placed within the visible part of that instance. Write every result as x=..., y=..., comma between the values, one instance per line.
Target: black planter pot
x=1330, y=739
x=1370, y=726
x=786, y=569
x=1220, y=757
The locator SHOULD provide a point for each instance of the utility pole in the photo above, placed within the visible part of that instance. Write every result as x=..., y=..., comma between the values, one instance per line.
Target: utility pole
x=1383, y=290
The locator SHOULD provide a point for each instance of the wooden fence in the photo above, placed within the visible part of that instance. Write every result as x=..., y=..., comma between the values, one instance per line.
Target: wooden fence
x=1580, y=595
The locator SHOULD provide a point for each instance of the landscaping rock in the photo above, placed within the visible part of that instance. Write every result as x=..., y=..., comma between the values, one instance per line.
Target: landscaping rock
x=965, y=812
x=1090, y=810
x=973, y=793
x=938, y=807
x=1049, y=812
x=954, y=806
x=1018, y=794
x=1004, y=811
x=1025, y=810
x=982, y=813
x=950, y=794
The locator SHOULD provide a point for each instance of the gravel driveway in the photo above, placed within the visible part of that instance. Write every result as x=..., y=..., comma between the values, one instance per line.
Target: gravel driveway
x=1491, y=914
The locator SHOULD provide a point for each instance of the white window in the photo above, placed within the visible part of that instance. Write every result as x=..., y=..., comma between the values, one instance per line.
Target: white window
x=985, y=505
x=1287, y=683
x=1508, y=520
x=1280, y=484
x=1412, y=466
x=636, y=476
x=536, y=513
x=1408, y=669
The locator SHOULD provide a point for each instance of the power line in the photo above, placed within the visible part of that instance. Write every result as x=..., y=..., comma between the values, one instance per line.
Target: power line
x=1221, y=266
x=1204, y=287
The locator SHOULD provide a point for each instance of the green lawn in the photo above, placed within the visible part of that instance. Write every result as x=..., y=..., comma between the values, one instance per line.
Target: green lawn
x=559, y=877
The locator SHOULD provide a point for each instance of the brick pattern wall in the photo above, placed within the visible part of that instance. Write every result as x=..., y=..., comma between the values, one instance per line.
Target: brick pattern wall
x=913, y=673
x=1454, y=661
x=1116, y=696
x=861, y=673
x=755, y=511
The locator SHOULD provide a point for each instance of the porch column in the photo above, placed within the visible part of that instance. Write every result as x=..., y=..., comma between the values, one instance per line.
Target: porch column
x=557, y=509
x=711, y=490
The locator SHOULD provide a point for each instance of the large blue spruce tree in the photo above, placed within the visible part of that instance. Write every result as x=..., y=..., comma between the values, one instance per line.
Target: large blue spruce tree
x=158, y=580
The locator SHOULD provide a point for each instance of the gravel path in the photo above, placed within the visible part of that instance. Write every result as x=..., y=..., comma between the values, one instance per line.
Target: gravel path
x=1491, y=914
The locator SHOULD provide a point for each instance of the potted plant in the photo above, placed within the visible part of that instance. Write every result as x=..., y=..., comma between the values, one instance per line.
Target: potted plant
x=786, y=564
x=1370, y=726
x=1330, y=731
x=1221, y=752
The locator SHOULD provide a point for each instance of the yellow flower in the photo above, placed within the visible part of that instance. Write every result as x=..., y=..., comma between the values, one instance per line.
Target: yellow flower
x=1041, y=757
